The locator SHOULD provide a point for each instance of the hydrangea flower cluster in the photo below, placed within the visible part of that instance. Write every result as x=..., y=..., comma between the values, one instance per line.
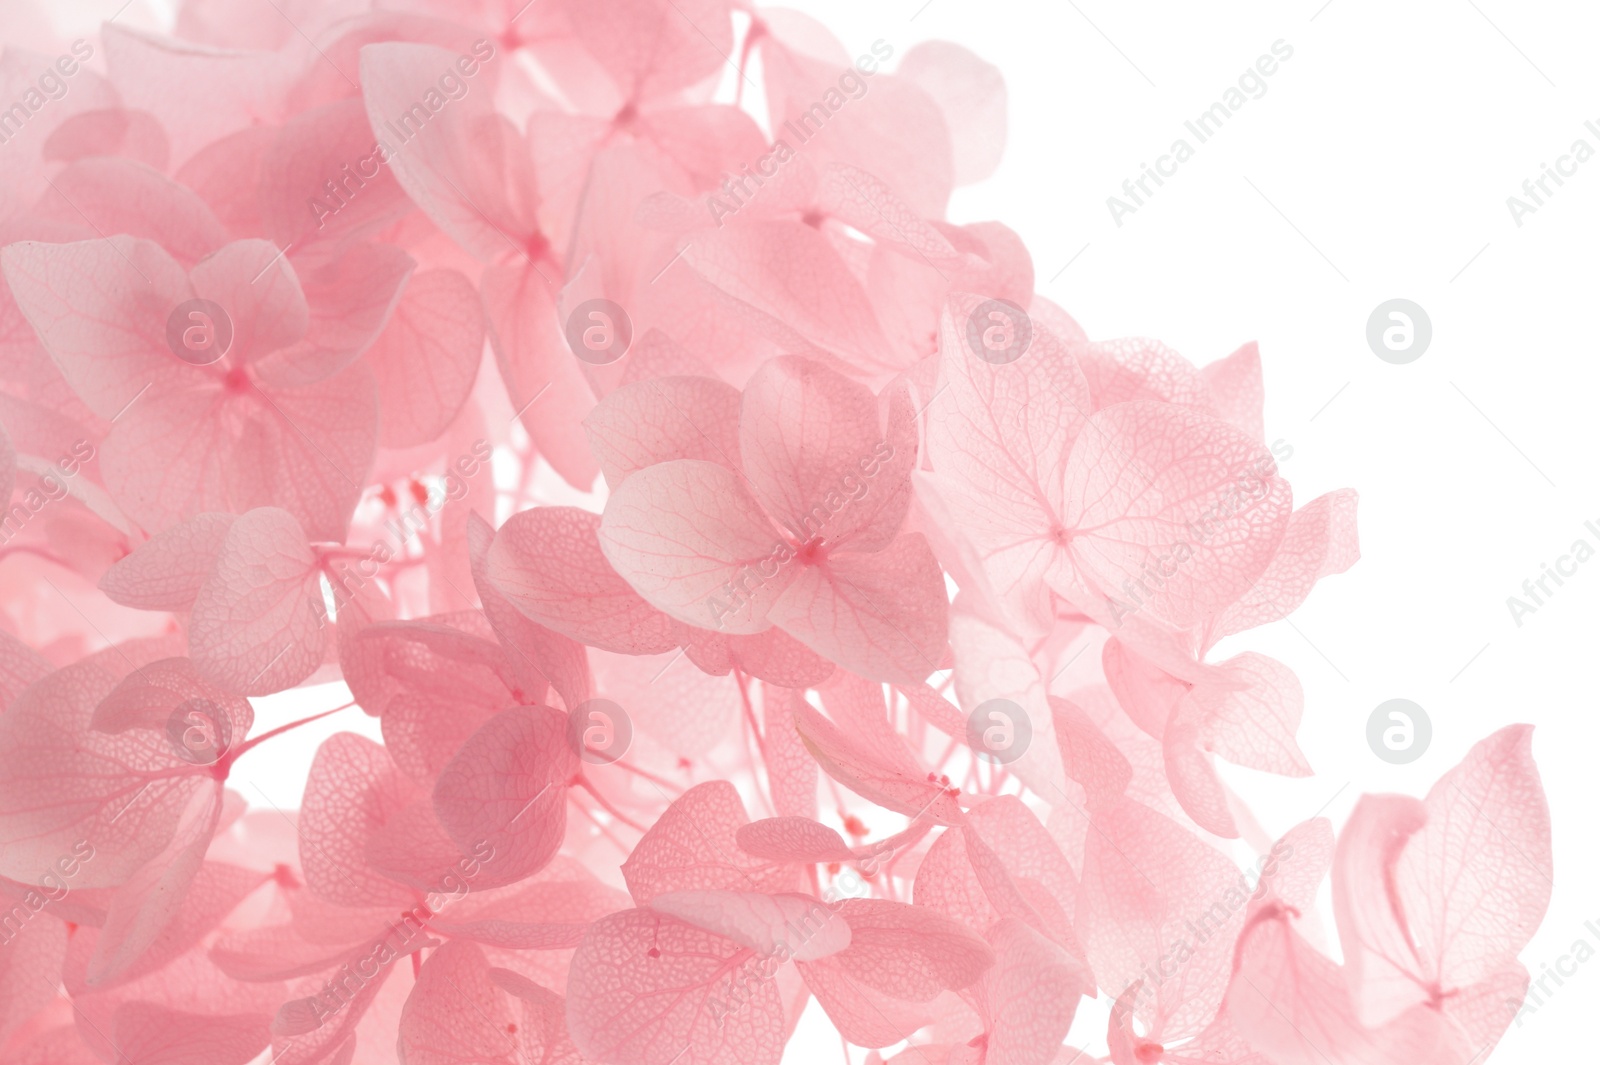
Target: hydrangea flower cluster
x=763, y=595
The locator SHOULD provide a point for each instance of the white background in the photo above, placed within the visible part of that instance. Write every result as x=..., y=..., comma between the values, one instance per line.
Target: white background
x=1376, y=166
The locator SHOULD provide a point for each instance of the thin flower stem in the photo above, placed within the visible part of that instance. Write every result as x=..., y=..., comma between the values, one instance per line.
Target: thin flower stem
x=661, y=782
x=605, y=805
x=245, y=747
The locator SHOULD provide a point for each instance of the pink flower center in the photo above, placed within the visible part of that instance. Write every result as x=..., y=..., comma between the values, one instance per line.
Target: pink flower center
x=813, y=552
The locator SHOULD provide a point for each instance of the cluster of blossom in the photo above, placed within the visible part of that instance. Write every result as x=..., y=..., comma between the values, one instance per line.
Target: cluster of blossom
x=596, y=388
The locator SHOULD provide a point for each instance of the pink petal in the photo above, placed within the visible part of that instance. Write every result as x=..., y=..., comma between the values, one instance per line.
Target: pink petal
x=20, y=666
x=151, y=1035
x=538, y=657
x=548, y=562
x=331, y=145
x=778, y=658
x=1291, y=1004
x=1475, y=880
x=426, y=359
x=783, y=926
x=694, y=846
x=257, y=286
x=972, y=95
x=456, y=1013
x=1029, y=997
x=353, y=790
x=651, y=47
x=816, y=458
x=1379, y=957
x=687, y=534
x=468, y=170
x=257, y=624
x=506, y=787
x=304, y=449
x=1320, y=540
x=111, y=131
x=167, y=571
x=1090, y=757
x=1145, y=478
x=1152, y=889
x=1236, y=390
x=886, y=775
x=794, y=839
x=791, y=282
x=646, y=989
x=898, y=954
x=120, y=196
x=115, y=797
x=541, y=373
x=350, y=299
x=884, y=615
x=998, y=437
x=1134, y=368
x=100, y=308
x=30, y=968
x=149, y=905
x=1255, y=723
x=661, y=419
